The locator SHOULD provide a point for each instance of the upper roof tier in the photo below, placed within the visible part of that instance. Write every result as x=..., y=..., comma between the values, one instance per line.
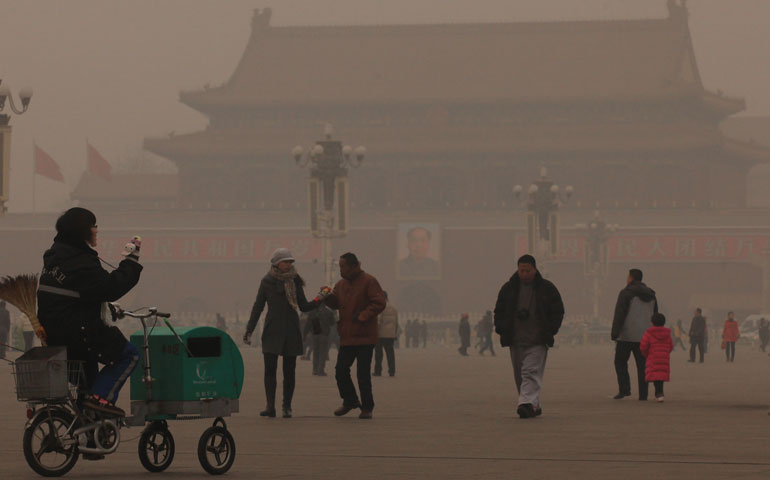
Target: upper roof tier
x=479, y=63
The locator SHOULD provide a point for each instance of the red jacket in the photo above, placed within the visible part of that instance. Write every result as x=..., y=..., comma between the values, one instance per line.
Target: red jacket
x=730, y=332
x=656, y=347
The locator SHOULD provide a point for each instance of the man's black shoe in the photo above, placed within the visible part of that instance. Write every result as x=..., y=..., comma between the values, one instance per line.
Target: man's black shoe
x=526, y=410
x=621, y=396
x=344, y=409
x=642, y=399
x=538, y=411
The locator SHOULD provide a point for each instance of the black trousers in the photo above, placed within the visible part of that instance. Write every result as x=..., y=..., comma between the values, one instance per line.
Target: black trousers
x=385, y=344
x=271, y=371
x=658, y=388
x=320, y=353
x=700, y=344
x=623, y=351
x=362, y=355
x=730, y=351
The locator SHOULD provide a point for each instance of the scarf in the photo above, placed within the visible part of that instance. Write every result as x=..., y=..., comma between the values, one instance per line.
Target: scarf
x=289, y=285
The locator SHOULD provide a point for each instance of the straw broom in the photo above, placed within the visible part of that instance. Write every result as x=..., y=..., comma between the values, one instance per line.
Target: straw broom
x=21, y=292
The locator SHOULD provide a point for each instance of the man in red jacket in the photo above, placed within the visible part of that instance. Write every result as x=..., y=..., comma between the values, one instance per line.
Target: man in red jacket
x=359, y=299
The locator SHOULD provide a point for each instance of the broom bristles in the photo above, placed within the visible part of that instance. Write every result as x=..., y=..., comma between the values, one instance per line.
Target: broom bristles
x=21, y=292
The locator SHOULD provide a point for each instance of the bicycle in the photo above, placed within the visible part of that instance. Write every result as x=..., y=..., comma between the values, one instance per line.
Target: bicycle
x=59, y=429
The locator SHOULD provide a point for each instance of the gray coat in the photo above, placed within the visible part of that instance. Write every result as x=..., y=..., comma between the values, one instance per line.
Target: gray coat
x=633, y=312
x=281, y=334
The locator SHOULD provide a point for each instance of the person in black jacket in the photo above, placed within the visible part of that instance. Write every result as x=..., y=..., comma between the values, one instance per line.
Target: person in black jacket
x=528, y=314
x=72, y=289
x=282, y=291
x=699, y=335
x=465, y=335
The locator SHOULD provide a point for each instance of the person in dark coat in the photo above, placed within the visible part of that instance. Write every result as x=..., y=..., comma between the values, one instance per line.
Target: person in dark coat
x=634, y=309
x=322, y=320
x=465, y=335
x=423, y=334
x=283, y=293
x=528, y=314
x=764, y=333
x=698, y=335
x=72, y=289
x=359, y=299
x=486, y=327
x=5, y=327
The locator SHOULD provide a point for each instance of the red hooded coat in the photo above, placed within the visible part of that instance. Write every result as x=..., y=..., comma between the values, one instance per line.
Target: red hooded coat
x=656, y=347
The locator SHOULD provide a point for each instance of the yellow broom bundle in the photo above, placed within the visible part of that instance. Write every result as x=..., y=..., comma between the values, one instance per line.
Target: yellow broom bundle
x=21, y=292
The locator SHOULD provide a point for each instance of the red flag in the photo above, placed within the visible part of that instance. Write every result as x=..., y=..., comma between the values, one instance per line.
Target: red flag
x=97, y=165
x=46, y=166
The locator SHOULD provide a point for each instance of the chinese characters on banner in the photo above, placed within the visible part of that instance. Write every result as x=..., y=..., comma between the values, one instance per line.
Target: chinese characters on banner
x=213, y=248
x=660, y=248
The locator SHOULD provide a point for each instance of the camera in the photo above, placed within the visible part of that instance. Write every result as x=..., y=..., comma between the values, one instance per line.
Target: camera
x=522, y=314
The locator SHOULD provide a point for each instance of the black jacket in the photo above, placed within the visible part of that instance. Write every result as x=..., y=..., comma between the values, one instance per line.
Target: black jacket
x=281, y=334
x=623, y=304
x=75, y=321
x=549, y=307
x=698, y=328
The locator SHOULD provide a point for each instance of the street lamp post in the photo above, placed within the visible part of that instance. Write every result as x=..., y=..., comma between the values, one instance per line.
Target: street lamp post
x=328, y=161
x=596, y=262
x=543, y=199
x=25, y=94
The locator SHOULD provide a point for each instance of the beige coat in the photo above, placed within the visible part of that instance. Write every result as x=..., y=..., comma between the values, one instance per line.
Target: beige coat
x=388, y=322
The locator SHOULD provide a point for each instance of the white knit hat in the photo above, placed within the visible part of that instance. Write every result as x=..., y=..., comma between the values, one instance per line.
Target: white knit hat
x=281, y=255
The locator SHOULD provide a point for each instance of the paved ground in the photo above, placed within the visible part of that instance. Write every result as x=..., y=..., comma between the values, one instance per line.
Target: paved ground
x=444, y=416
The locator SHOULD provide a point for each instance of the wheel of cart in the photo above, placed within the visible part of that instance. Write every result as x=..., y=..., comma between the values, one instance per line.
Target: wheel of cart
x=216, y=448
x=197, y=373
x=156, y=447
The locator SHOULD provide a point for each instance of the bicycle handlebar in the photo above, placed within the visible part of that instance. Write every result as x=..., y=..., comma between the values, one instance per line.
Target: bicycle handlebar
x=152, y=312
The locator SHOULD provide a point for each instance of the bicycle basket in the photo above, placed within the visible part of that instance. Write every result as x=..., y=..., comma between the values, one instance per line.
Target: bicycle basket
x=42, y=374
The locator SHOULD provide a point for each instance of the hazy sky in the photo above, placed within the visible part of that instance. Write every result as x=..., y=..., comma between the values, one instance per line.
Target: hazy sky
x=110, y=71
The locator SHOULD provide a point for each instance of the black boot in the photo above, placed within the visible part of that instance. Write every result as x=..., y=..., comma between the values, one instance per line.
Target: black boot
x=270, y=386
x=288, y=394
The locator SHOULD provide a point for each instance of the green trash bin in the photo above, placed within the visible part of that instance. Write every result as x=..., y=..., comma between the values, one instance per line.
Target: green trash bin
x=205, y=382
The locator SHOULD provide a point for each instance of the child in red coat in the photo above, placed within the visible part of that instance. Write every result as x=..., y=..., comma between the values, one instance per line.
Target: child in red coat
x=656, y=347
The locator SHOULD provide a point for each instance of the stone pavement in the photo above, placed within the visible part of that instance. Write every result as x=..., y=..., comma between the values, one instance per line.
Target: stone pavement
x=445, y=416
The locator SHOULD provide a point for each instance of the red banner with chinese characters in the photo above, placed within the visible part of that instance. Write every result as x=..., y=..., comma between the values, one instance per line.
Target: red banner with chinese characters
x=665, y=248
x=213, y=248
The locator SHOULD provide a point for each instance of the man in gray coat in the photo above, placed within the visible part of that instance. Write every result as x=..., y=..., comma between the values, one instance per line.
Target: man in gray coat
x=633, y=313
